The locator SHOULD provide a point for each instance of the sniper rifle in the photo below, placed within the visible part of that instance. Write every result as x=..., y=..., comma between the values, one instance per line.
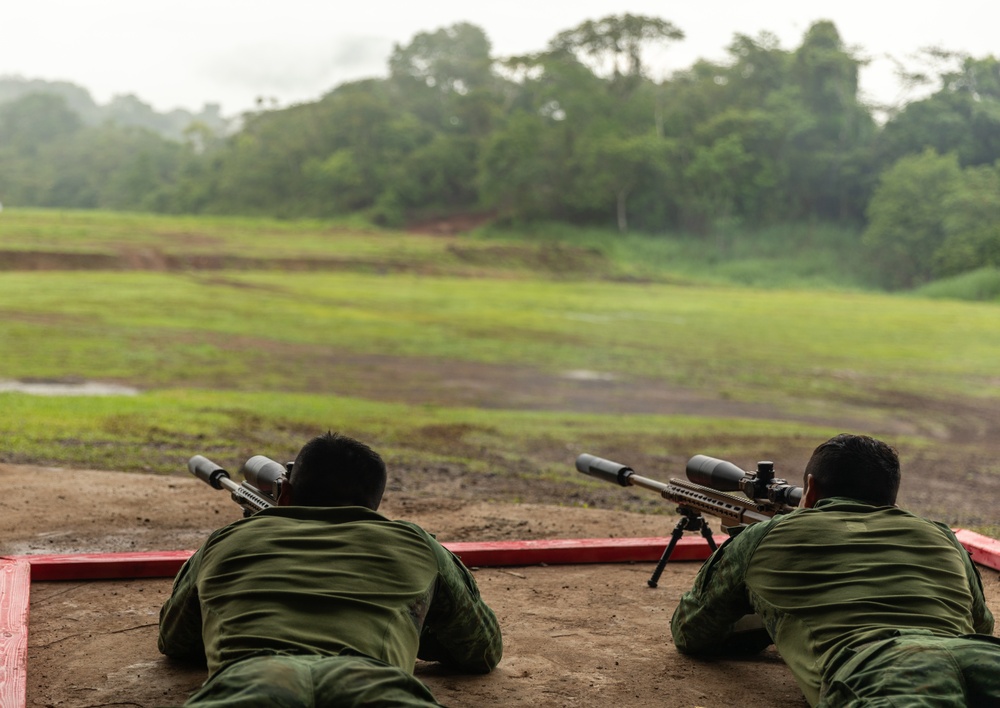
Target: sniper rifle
x=261, y=486
x=706, y=491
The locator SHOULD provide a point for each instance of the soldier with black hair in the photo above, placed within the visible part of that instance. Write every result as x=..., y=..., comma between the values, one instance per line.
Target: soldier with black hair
x=868, y=604
x=322, y=601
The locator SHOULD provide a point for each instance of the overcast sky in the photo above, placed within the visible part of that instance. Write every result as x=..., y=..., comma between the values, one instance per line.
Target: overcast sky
x=185, y=53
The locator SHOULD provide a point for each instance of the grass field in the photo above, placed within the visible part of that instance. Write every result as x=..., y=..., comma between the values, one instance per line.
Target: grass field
x=255, y=348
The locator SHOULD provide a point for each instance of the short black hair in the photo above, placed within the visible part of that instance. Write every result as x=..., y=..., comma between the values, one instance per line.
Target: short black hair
x=856, y=466
x=335, y=470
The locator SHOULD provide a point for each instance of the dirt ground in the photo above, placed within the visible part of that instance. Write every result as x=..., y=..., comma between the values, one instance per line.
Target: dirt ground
x=588, y=635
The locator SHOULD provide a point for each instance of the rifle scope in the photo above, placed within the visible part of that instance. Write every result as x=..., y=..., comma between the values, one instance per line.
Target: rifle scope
x=716, y=474
x=263, y=473
x=727, y=477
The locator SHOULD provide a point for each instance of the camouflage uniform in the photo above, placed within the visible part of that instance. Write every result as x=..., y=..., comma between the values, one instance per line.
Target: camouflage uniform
x=847, y=590
x=308, y=681
x=332, y=600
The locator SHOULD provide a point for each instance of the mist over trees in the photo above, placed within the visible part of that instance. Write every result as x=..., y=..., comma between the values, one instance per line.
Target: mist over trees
x=577, y=132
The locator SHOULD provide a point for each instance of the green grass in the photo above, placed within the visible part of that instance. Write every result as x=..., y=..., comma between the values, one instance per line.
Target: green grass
x=158, y=431
x=814, y=256
x=154, y=329
x=980, y=285
x=238, y=362
x=265, y=243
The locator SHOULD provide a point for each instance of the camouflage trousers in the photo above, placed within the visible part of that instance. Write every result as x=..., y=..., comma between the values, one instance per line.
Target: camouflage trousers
x=917, y=669
x=342, y=681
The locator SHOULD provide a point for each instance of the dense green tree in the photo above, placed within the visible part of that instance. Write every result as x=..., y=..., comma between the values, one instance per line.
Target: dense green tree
x=758, y=68
x=320, y=159
x=453, y=59
x=906, y=217
x=35, y=120
x=438, y=176
x=77, y=98
x=971, y=223
x=613, y=168
x=731, y=171
x=839, y=132
x=445, y=78
x=519, y=169
x=118, y=168
x=962, y=116
x=617, y=43
x=555, y=105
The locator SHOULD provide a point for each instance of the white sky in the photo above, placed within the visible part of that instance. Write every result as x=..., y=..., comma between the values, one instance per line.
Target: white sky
x=185, y=53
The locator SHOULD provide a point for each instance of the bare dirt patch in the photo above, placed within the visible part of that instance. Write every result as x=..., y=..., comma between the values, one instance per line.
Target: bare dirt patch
x=449, y=225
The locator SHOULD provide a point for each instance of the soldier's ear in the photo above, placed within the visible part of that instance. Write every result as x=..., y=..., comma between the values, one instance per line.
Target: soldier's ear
x=811, y=494
x=284, y=492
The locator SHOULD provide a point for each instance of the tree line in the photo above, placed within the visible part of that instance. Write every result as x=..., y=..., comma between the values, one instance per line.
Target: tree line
x=577, y=132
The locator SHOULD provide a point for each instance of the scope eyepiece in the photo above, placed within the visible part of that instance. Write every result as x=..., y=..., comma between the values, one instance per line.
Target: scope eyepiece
x=786, y=494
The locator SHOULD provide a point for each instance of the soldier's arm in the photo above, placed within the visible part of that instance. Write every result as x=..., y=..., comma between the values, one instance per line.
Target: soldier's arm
x=180, y=617
x=982, y=618
x=715, y=616
x=461, y=630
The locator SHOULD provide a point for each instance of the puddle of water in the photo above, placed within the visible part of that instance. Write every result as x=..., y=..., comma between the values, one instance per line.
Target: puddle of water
x=586, y=375
x=59, y=388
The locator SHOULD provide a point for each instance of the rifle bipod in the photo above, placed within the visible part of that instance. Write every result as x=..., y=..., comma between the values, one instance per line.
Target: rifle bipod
x=690, y=520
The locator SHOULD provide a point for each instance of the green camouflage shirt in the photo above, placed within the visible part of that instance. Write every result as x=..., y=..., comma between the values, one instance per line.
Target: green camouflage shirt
x=838, y=575
x=324, y=581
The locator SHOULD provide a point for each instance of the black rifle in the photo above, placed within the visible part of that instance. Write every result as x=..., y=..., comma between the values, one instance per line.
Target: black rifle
x=711, y=479
x=261, y=486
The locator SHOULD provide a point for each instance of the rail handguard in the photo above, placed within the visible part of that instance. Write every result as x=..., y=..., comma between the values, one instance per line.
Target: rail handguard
x=259, y=490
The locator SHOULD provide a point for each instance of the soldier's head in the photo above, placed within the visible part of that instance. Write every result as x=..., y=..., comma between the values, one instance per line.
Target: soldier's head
x=335, y=470
x=854, y=466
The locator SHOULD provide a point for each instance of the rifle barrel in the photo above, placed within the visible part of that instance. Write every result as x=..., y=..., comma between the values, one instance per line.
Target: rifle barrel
x=250, y=498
